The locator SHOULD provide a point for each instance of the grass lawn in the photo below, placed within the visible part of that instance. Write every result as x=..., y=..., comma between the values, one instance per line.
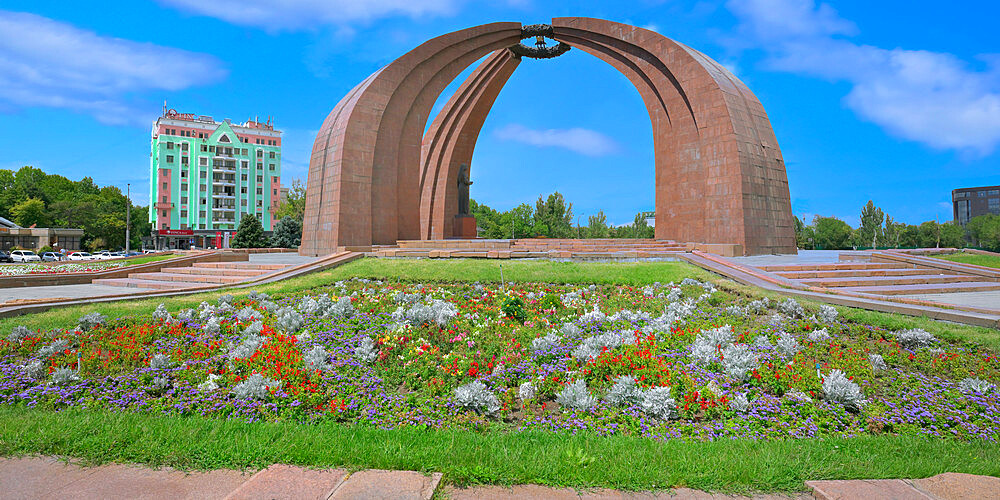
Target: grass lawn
x=145, y=259
x=429, y=329
x=580, y=460
x=971, y=258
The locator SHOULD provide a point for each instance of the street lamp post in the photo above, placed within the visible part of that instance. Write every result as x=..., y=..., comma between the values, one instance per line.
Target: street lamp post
x=128, y=215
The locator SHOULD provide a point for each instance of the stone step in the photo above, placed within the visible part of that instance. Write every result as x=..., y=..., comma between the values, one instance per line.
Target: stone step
x=240, y=265
x=214, y=271
x=152, y=284
x=190, y=278
x=846, y=273
x=835, y=267
x=968, y=286
x=923, y=279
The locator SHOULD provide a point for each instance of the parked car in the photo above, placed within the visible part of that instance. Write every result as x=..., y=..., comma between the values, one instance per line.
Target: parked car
x=5, y=257
x=132, y=254
x=103, y=255
x=80, y=256
x=51, y=257
x=25, y=256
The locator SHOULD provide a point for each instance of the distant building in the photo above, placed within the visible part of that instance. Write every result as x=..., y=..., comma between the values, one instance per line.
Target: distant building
x=973, y=202
x=34, y=238
x=204, y=176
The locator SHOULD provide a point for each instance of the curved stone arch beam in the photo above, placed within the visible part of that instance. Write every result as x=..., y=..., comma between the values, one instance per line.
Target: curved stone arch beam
x=364, y=173
x=451, y=140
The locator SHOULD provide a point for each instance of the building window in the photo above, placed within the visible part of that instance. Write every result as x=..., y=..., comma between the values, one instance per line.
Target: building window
x=994, y=192
x=245, y=164
x=244, y=151
x=994, y=205
x=272, y=154
x=203, y=201
x=982, y=194
x=184, y=213
x=184, y=187
x=163, y=226
x=170, y=159
x=184, y=160
x=170, y=145
x=275, y=192
x=224, y=138
x=204, y=148
x=203, y=161
x=271, y=166
x=260, y=153
x=164, y=185
x=243, y=202
x=163, y=213
x=203, y=174
x=184, y=174
x=164, y=199
x=260, y=178
x=243, y=190
x=184, y=147
x=201, y=226
x=260, y=191
x=184, y=200
x=211, y=149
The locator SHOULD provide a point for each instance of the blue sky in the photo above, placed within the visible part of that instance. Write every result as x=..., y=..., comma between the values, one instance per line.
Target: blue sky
x=895, y=101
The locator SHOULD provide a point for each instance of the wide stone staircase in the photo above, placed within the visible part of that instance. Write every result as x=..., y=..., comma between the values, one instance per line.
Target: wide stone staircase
x=885, y=275
x=197, y=275
x=595, y=249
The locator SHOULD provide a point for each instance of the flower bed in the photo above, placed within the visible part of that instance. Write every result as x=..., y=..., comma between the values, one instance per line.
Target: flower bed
x=82, y=267
x=665, y=361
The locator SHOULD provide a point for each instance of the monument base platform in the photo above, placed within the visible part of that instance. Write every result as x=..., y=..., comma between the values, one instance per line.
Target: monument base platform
x=465, y=226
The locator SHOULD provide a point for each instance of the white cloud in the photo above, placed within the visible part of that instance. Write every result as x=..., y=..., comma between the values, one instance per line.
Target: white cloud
x=579, y=140
x=48, y=63
x=929, y=97
x=277, y=15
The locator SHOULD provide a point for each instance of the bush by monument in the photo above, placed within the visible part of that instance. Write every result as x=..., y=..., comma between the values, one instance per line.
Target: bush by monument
x=250, y=233
x=287, y=233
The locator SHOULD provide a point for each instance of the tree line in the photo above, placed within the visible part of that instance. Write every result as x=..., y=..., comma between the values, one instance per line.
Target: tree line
x=552, y=217
x=879, y=230
x=29, y=197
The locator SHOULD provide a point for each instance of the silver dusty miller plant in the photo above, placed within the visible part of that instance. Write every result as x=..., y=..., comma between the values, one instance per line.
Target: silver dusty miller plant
x=477, y=397
x=434, y=311
x=289, y=320
x=625, y=391
x=707, y=344
x=878, y=362
x=248, y=347
x=915, y=338
x=738, y=361
x=256, y=386
x=57, y=346
x=827, y=314
x=840, y=389
x=18, y=334
x=64, y=376
x=159, y=361
x=658, y=403
x=161, y=313
x=975, y=385
x=366, y=350
x=576, y=397
x=526, y=391
x=546, y=343
x=89, y=321
x=818, y=335
x=317, y=359
x=739, y=403
x=791, y=308
x=787, y=345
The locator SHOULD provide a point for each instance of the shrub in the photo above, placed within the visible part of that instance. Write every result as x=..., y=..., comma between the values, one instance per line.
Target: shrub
x=513, y=307
x=827, y=314
x=878, y=363
x=212, y=326
x=658, y=403
x=738, y=361
x=436, y=312
x=625, y=391
x=161, y=313
x=526, y=391
x=287, y=233
x=250, y=233
x=787, y=345
x=366, y=350
x=248, y=314
x=289, y=320
x=576, y=397
x=250, y=344
x=256, y=386
x=56, y=347
x=343, y=308
x=915, y=339
x=18, y=334
x=706, y=346
x=36, y=369
x=477, y=397
x=317, y=359
x=63, y=376
x=975, y=385
x=759, y=306
x=89, y=321
x=791, y=308
x=159, y=361
x=546, y=343
x=840, y=389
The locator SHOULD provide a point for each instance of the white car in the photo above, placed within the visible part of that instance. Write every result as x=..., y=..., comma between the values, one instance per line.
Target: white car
x=80, y=256
x=103, y=255
x=24, y=256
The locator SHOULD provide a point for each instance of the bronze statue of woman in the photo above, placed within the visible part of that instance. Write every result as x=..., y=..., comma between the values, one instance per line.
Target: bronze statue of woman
x=463, y=189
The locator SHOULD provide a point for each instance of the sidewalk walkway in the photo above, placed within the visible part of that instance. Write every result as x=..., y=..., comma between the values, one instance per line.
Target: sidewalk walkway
x=47, y=477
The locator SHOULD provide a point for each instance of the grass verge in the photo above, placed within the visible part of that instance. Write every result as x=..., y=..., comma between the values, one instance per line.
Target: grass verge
x=581, y=460
x=971, y=258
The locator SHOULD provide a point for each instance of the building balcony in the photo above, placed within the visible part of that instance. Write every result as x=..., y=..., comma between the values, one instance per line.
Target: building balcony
x=224, y=209
x=163, y=206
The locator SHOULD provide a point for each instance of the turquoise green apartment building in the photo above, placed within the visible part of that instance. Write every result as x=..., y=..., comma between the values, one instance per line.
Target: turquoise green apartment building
x=204, y=176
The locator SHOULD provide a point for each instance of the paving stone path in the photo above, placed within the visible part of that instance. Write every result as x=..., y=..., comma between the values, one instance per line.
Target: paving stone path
x=48, y=477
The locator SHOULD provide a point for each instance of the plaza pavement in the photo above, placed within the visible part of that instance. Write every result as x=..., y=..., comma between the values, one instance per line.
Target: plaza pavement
x=51, y=477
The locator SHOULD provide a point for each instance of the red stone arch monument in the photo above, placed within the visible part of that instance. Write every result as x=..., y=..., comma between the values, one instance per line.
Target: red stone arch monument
x=375, y=178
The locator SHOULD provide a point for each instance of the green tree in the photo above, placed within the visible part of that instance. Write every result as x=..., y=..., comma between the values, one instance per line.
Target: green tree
x=891, y=233
x=985, y=231
x=952, y=235
x=640, y=228
x=831, y=233
x=287, y=233
x=294, y=205
x=30, y=211
x=250, y=233
x=597, y=225
x=554, y=216
x=870, y=232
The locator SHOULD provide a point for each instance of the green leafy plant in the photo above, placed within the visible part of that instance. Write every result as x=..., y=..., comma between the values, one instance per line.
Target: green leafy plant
x=514, y=307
